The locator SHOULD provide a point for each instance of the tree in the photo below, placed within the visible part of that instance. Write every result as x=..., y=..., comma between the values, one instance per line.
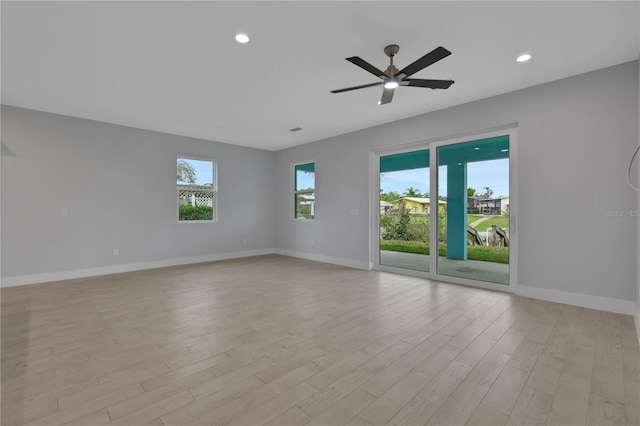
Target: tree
x=185, y=172
x=389, y=196
x=412, y=192
x=488, y=192
x=471, y=192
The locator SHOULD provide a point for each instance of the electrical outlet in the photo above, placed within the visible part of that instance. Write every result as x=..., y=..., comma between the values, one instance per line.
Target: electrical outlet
x=116, y=252
x=244, y=241
x=64, y=212
x=313, y=243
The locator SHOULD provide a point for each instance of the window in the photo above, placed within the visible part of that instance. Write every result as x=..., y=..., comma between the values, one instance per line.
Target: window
x=197, y=190
x=304, y=191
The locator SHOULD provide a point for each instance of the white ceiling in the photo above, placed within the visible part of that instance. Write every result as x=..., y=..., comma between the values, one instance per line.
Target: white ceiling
x=175, y=67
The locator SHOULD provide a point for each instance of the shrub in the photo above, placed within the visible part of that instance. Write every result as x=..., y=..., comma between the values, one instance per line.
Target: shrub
x=189, y=212
x=419, y=230
x=486, y=254
x=405, y=246
x=385, y=221
x=397, y=228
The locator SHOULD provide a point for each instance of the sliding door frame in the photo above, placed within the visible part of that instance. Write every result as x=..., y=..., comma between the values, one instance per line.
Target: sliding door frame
x=375, y=254
x=433, y=145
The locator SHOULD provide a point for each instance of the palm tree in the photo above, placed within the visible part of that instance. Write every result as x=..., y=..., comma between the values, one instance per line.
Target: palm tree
x=412, y=192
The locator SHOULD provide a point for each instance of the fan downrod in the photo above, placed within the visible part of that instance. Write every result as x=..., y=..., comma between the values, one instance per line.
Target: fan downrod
x=391, y=50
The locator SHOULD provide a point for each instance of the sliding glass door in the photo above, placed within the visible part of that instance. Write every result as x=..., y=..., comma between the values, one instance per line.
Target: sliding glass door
x=445, y=209
x=473, y=177
x=405, y=205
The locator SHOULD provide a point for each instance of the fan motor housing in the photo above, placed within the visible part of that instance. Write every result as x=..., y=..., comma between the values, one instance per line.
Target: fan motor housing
x=391, y=70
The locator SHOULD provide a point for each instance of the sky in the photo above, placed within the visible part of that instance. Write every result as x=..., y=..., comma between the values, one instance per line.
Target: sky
x=305, y=180
x=204, y=170
x=493, y=173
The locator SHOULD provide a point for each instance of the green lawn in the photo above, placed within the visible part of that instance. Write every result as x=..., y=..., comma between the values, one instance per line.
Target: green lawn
x=472, y=218
x=487, y=254
x=501, y=221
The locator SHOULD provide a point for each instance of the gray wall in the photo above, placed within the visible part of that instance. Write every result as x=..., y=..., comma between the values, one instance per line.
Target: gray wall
x=575, y=137
x=118, y=184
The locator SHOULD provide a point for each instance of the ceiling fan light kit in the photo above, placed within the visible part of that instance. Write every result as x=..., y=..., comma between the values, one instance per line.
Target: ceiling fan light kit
x=391, y=83
x=242, y=38
x=392, y=77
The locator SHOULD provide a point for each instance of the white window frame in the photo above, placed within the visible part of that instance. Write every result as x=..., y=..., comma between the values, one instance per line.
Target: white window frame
x=213, y=190
x=294, y=193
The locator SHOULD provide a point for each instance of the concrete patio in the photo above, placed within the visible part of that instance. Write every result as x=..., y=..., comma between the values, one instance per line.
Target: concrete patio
x=471, y=269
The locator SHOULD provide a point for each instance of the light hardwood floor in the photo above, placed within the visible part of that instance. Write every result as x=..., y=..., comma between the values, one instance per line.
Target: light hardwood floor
x=282, y=341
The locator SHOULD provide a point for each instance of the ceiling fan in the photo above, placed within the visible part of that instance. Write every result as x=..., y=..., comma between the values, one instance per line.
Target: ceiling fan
x=392, y=77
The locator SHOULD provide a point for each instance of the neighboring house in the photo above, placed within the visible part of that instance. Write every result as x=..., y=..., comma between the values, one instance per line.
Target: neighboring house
x=473, y=204
x=385, y=207
x=308, y=201
x=418, y=205
x=504, y=204
x=487, y=206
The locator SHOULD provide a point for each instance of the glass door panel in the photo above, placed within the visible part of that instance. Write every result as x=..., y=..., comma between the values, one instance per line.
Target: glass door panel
x=473, y=234
x=405, y=205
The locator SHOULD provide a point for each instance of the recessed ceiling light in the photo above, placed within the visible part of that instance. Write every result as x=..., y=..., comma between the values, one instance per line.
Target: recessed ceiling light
x=524, y=57
x=242, y=38
x=504, y=150
x=476, y=148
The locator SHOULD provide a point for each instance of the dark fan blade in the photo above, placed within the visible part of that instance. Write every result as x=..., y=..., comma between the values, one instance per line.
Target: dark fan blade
x=356, y=87
x=431, y=84
x=387, y=96
x=430, y=58
x=366, y=66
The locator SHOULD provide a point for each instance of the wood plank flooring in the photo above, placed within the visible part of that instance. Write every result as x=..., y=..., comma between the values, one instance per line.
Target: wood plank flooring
x=282, y=341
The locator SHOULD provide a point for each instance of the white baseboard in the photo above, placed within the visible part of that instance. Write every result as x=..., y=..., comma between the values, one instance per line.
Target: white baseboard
x=325, y=259
x=637, y=318
x=116, y=269
x=619, y=306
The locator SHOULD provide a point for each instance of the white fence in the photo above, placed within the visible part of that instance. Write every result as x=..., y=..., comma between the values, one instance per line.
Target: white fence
x=195, y=195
